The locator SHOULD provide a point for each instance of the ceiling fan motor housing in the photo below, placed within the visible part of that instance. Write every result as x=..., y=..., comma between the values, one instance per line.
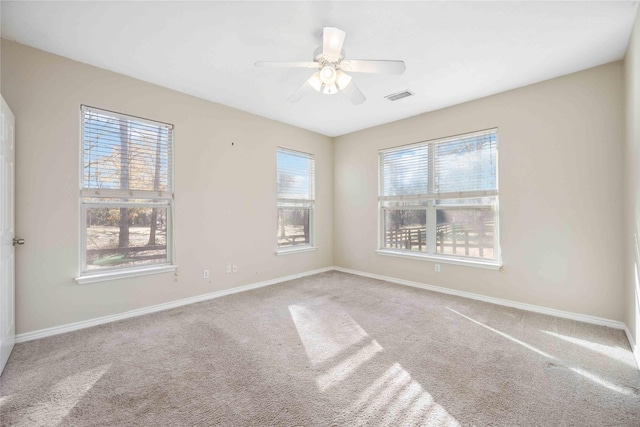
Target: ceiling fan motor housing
x=320, y=57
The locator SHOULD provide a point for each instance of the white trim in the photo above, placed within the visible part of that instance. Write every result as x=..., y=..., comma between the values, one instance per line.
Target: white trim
x=522, y=306
x=442, y=260
x=441, y=196
x=116, y=193
x=634, y=347
x=297, y=250
x=294, y=203
x=123, y=274
x=56, y=330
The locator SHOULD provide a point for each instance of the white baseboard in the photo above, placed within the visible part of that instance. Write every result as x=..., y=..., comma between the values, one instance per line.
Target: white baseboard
x=528, y=307
x=634, y=347
x=42, y=333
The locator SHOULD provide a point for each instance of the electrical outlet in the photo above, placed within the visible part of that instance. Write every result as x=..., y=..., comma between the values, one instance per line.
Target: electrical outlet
x=437, y=268
x=235, y=268
x=228, y=270
x=205, y=274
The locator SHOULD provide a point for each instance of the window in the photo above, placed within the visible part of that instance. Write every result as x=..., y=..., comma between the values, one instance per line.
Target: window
x=440, y=198
x=127, y=192
x=295, y=183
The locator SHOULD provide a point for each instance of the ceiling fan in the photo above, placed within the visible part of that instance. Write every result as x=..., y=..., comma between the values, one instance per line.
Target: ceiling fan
x=331, y=76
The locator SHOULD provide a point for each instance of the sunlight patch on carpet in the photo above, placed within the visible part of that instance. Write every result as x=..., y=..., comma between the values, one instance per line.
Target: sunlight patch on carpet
x=617, y=353
x=604, y=383
x=582, y=372
x=507, y=336
x=325, y=331
x=345, y=368
x=4, y=400
x=395, y=398
x=62, y=397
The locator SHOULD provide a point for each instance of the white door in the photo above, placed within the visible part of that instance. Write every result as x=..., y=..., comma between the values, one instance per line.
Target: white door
x=7, y=242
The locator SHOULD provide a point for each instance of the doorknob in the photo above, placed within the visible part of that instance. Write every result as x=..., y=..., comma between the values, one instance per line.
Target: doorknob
x=18, y=242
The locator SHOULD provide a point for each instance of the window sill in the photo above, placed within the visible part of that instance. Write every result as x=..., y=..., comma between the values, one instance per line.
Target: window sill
x=296, y=250
x=466, y=262
x=133, y=272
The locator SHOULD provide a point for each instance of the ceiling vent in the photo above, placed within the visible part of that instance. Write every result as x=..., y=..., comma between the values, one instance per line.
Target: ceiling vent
x=399, y=95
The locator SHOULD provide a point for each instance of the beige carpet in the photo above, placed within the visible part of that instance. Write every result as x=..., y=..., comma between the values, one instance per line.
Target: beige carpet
x=330, y=349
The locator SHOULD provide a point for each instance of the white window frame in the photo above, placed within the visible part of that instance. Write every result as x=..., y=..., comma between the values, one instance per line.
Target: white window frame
x=292, y=203
x=90, y=198
x=429, y=205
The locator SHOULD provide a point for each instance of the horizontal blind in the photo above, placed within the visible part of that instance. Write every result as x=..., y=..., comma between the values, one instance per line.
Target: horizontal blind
x=466, y=164
x=295, y=177
x=125, y=153
x=454, y=167
x=405, y=171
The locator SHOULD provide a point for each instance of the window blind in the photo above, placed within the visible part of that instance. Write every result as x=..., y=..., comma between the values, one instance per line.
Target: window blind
x=405, y=172
x=125, y=153
x=295, y=175
x=461, y=166
x=466, y=164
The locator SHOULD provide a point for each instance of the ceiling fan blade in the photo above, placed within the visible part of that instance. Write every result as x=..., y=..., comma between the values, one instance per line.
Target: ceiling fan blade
x=373, y=66
x=354, y=93
x=332, y=41
x=287, y=64
x=302, y=91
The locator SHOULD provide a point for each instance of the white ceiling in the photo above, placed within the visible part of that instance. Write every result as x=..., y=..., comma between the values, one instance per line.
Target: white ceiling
x=454, y=51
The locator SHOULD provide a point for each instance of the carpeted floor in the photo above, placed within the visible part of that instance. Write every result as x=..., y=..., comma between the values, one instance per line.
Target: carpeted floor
x=330, y=349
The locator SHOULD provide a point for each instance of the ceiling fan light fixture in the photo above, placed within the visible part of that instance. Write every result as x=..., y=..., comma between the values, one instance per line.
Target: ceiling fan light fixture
x=328, y=75
x=324, y=81
x=329, y=89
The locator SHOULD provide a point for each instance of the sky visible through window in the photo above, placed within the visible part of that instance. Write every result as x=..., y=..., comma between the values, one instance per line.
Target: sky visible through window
x=294, y=172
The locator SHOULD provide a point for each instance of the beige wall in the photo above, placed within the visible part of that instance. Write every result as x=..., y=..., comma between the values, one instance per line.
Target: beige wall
x=632, y=182
x=560, y=184
x=225, y=195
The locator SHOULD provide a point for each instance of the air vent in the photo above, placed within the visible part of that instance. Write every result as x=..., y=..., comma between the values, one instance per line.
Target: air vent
x=399, y=95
